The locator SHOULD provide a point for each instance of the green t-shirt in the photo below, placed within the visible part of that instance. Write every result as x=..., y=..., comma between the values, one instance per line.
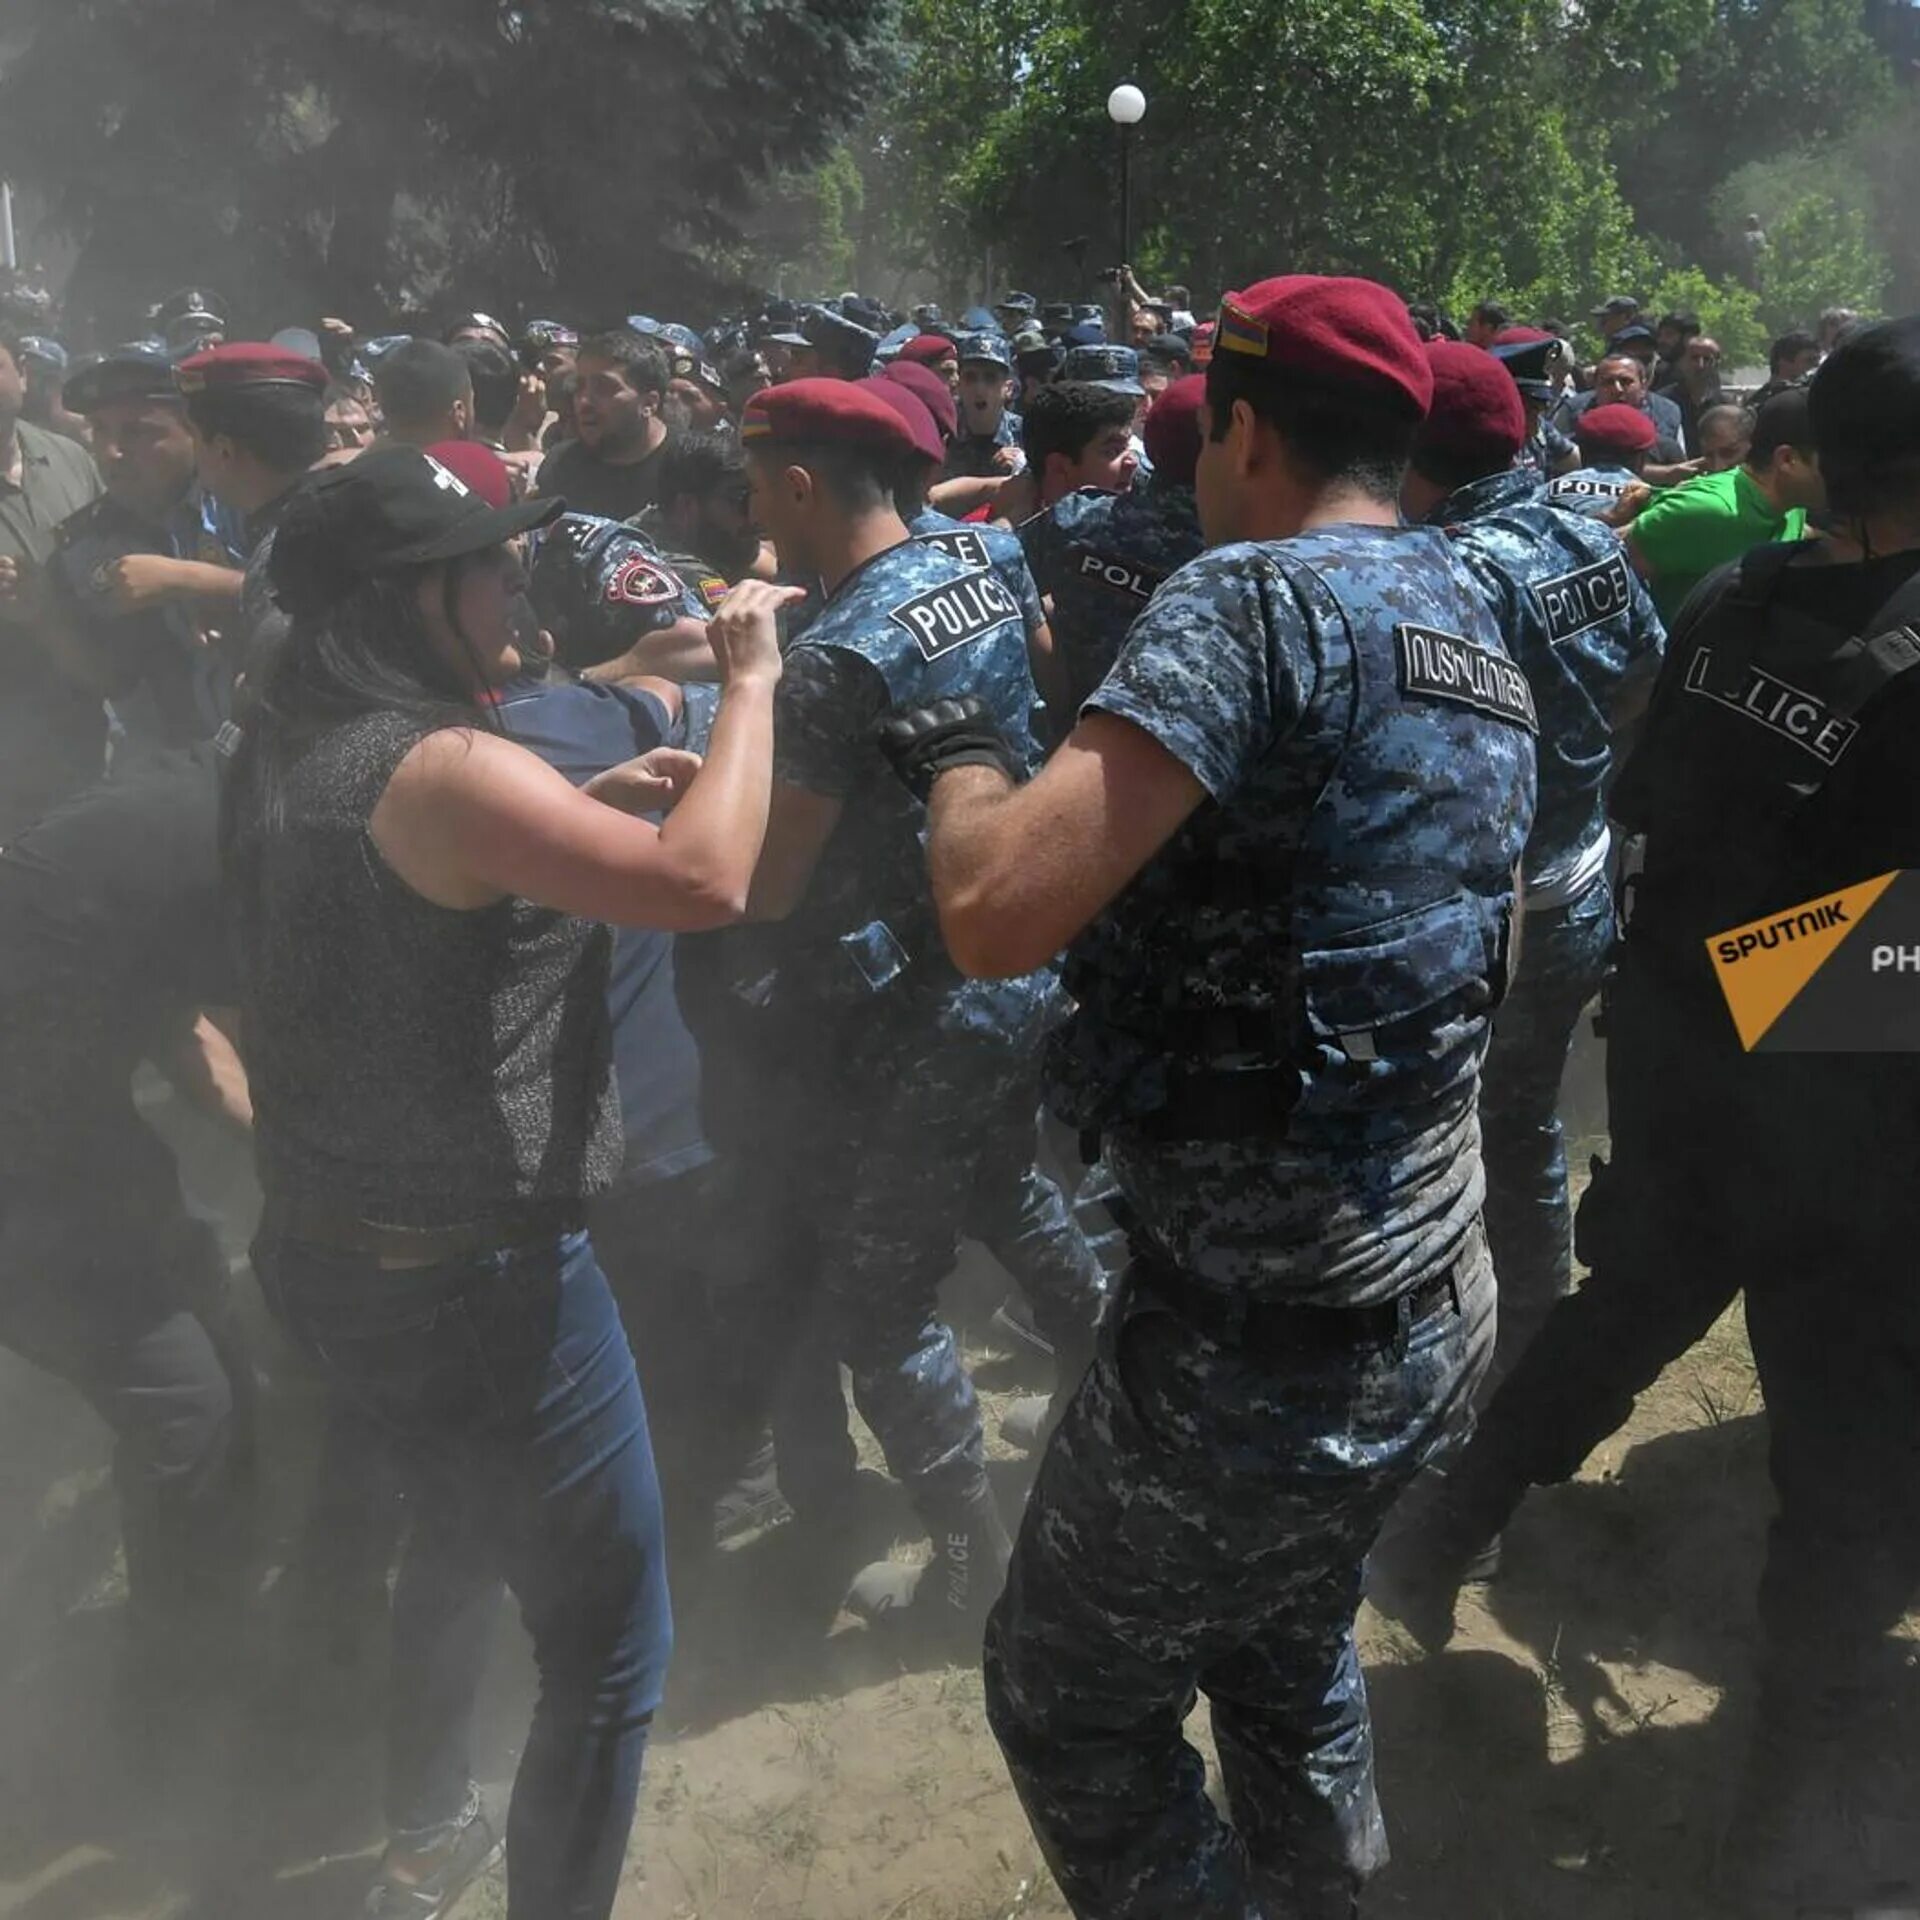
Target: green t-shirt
x=1686, y=532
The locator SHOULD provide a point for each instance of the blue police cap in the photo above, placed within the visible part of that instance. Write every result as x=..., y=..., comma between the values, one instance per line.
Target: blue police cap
x=978, y=320
x=1023, y=303
x=140, y=370
x=1116, y=368
x=50, y=353
x=989, y=349
x=1084, y=333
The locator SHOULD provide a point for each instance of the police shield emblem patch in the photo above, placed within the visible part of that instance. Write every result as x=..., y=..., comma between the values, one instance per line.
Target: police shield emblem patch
x=640, y=583
x=955, y=613
x=1445, y=666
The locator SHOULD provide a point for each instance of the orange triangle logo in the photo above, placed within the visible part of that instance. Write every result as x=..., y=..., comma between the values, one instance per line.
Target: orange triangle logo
x=1764, y=964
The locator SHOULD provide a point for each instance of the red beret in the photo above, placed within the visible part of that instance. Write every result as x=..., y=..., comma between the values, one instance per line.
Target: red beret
x=248, y=363
x=842, y=411
x=1617, y=429
x=1353, y=331
x=1172, y=429
x=1521, y=337
x=1476, y=414
x=478, y=467
x=928, y=350
x=913, y=410
x=926, y=386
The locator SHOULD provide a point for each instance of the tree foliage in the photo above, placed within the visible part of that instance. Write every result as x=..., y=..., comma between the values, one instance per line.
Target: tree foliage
x=364, y=155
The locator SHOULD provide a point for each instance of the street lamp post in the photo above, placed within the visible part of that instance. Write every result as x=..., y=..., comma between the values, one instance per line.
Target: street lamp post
x=1126, y=107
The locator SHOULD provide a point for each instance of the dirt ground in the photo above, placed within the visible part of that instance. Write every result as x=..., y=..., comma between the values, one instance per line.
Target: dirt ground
x=1569, y=1756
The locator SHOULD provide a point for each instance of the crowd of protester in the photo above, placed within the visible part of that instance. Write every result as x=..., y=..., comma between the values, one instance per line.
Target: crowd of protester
x=460, y=760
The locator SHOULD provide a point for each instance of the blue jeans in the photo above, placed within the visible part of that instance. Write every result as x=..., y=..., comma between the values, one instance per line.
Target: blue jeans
x=506, y=1389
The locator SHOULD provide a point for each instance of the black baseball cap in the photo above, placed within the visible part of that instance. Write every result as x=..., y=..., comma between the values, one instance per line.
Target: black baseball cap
x=392, y=509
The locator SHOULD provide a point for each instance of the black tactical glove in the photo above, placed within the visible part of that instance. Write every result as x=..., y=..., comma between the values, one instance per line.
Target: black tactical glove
x=923, y=744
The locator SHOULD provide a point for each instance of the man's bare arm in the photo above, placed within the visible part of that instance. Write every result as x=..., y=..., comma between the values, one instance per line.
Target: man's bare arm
x=1018, y=872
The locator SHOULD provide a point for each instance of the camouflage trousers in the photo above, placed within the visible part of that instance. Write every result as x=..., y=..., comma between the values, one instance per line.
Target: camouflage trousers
x=1563, y=958
x=908, y=1150
x=1200, y=1525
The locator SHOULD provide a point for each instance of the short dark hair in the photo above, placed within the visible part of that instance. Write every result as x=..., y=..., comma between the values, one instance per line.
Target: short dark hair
x=1744, y=415
x=1784, y=421
x=283, y=427
x=640, y=363
x=1790, y=346
x=1180, y=297
x=1332, y=431
x=860, y=478
x=698, y=464
x=1492, y=312
x=418, y=382
x=1067, y=417
x=496, y=383
x=1685, y=324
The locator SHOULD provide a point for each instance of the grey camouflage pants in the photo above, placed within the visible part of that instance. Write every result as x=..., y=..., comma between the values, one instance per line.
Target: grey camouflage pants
x=1200, y=1525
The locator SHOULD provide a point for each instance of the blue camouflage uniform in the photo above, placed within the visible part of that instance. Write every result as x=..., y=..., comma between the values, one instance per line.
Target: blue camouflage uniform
x=1592, y=492
x=1102, y=556
x=908, y=1073
x=972, y=455
x=1577, y=619
x=600, y=585
x=1279, y=1033
x=172, y=688
x=1019, y=1211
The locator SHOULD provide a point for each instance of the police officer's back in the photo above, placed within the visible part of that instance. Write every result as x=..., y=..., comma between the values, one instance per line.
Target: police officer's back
x=1281, y=841
x=1101, y=556
x=1581, y=627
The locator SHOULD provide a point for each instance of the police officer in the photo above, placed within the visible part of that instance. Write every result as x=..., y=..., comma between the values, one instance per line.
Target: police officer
x=1018, y=1212
x=1537, y=360
x=1283, y=840
x=616, y=606
x=191, y=321
x=1787, y=1173
x=989, y=437
x=151, y=564
x=1582, y=629
x=258, y=415
x=1615, y=444
x=1099, y=557
x=905, y=1069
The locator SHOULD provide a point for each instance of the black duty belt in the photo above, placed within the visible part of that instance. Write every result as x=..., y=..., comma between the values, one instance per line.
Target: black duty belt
x=329, y=1224
x=1266, y=1326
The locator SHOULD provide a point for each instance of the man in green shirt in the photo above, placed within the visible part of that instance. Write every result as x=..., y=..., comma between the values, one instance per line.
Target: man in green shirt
x=1685, y=533
x=53, y=726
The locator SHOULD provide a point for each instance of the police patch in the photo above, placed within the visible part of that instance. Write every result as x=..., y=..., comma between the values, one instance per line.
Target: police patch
x=956, y=613
x=1584, y=486
x=1780, y=708
x=712, y=589
x=1444, y=666
x=640, y=583
x=1117, y=574
x=963, y=543
x=1571, y=603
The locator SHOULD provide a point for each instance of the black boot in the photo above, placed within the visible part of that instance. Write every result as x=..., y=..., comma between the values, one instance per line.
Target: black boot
x=947, y=1600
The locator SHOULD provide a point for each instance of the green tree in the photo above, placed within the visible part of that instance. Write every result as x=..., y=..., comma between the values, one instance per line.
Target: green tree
x=348, y=154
